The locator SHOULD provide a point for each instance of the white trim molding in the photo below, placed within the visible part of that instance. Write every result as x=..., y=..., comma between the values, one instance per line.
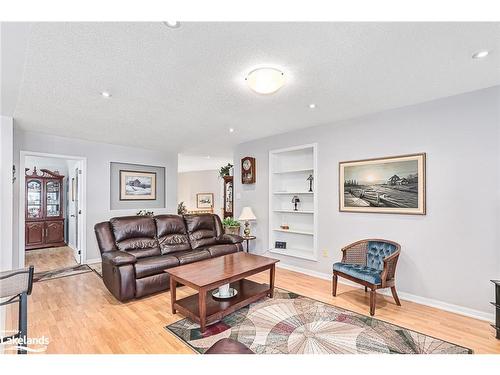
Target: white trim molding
x=461, y=310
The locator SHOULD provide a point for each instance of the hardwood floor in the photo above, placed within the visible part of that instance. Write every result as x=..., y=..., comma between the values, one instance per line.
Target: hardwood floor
x=50, y=259
x=79, y=315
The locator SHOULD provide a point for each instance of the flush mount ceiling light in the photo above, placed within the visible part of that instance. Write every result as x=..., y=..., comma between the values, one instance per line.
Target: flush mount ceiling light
x=265, y=80
x=312, y=105
x=105, y=94
x=231, y=130
x=480, y=54
x=172, y=24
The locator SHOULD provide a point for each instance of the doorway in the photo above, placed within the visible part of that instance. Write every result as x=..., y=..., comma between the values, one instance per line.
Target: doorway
x=51, y=211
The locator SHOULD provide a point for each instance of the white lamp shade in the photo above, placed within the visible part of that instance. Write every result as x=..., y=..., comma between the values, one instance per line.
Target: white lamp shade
x=247, y=214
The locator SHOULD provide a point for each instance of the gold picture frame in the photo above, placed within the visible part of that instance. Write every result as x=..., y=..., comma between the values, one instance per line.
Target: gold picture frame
x=137, y=186
x=394, y=184
x=204, y=200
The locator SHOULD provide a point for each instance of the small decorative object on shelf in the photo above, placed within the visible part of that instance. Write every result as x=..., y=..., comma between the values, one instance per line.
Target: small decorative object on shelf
x=497, y=307
x=247, y=215
x=181, y=209
x=295, y=201
x=231, y=226
x=145, y=213
x=248, y=170
x=280, y=245
x=284, y=226
x=310, y=179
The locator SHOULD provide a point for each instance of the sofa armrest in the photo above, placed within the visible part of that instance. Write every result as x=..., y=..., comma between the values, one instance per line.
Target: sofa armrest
x=118, y=258
x=229, y=239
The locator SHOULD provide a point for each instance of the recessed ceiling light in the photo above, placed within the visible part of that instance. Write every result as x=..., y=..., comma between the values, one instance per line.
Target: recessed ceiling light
x=265, y=80
x=172, y=24
x=312, y=105
x=480, y=54
x=106, y=94
x=231, y=130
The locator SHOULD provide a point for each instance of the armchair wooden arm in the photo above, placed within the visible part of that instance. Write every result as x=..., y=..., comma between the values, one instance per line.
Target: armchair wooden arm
x=389, y=270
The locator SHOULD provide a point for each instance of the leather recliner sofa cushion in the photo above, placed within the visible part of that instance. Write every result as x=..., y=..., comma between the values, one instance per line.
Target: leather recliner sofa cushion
x=136, y=235
x=201, y=230
x=171, y=232
x=191, y=256
x=154, y=265
x=219, y=250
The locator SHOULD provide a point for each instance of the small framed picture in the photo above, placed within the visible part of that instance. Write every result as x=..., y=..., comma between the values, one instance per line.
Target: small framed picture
x=204, y=200
x=137, y=186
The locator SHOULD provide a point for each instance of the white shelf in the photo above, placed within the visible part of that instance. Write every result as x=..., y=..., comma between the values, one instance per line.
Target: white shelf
x=288, y=169
x=295, y=212
x=293, y=192
x=294, y=231
x=296, y=253
x=295, y=170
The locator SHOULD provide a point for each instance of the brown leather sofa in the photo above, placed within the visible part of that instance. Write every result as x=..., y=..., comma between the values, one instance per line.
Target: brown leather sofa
x=136, y=250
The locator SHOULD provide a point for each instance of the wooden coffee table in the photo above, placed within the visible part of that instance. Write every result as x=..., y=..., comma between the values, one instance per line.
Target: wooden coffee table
x=207, y=275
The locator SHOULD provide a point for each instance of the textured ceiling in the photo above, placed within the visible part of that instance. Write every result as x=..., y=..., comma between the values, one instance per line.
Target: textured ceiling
x=182, y=89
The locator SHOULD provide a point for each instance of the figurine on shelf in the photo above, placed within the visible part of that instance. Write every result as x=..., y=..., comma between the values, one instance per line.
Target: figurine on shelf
x=295, y=201
x=310, y=179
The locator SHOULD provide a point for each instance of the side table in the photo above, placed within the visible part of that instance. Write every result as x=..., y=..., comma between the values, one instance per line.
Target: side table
x=248, y=238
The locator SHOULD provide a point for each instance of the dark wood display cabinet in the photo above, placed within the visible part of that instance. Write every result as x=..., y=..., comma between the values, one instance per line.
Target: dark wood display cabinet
x=44, y=222
x=228, y=196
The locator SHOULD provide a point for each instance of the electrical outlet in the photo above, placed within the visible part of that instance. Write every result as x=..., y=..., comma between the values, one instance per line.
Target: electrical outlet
x=325, y=253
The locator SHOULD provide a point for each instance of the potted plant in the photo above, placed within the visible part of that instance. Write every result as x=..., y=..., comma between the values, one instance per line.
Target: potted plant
x=231, y=226
x=226, y=170
x=181, y=209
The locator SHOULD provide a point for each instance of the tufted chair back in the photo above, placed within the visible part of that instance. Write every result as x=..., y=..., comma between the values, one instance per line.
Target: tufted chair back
x=377, y=251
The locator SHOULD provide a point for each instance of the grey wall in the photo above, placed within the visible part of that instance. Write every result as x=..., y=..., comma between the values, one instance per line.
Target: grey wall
x=448, y=255
x=191, y=183
x=99, y=156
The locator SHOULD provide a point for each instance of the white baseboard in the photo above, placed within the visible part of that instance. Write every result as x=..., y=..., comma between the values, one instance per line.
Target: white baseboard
x=91, y=261
x=466, y=311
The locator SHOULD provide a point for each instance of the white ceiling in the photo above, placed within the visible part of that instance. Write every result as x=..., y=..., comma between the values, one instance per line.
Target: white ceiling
x=182, y=89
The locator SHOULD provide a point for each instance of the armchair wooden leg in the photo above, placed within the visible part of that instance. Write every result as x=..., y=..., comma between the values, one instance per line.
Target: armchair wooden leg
x=373, y=298
x=395, y=295
x=334, y=285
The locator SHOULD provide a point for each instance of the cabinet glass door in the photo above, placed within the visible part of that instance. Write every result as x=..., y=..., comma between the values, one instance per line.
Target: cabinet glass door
x=34, y=203
x=53, y=196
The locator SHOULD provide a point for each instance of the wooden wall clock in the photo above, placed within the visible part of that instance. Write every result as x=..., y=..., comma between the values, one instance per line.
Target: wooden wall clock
x=248, y=170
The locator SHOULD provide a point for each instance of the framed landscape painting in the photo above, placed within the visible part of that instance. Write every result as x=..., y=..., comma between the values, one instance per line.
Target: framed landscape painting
x=393, y=184
x=204, y=200
x=138, y=186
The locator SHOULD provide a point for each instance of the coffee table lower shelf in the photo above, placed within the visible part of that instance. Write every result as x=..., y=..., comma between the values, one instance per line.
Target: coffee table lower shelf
x=248, y=292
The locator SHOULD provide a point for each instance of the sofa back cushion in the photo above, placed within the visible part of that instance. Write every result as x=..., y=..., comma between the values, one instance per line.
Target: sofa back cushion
x=136, y=235
x=171, y=233
x=201, y=230
x=377, y=251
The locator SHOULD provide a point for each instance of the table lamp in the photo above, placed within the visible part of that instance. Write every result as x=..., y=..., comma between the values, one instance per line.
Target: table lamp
x=247, y=215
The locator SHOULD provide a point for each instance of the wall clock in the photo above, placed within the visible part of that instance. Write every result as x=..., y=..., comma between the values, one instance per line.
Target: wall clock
x=248, y=170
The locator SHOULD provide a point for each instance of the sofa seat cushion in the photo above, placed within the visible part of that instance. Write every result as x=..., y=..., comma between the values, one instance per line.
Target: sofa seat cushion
x=368, y=274
x=191, y=256
x=219, y=250
x=154, y=265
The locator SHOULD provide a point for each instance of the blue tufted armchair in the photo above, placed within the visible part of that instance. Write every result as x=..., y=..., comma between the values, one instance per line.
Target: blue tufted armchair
x=371, y=263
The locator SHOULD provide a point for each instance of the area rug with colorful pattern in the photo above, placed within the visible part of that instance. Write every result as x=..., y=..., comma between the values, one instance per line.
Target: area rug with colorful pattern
x=293, y=324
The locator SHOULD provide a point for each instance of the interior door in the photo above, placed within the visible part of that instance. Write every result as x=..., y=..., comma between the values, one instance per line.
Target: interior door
x=77, y=213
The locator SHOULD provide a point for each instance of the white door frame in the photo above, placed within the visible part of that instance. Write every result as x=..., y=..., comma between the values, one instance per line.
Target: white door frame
x=82, y=232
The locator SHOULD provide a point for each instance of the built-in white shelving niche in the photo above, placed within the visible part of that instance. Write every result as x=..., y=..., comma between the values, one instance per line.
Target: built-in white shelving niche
x=289, y=169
